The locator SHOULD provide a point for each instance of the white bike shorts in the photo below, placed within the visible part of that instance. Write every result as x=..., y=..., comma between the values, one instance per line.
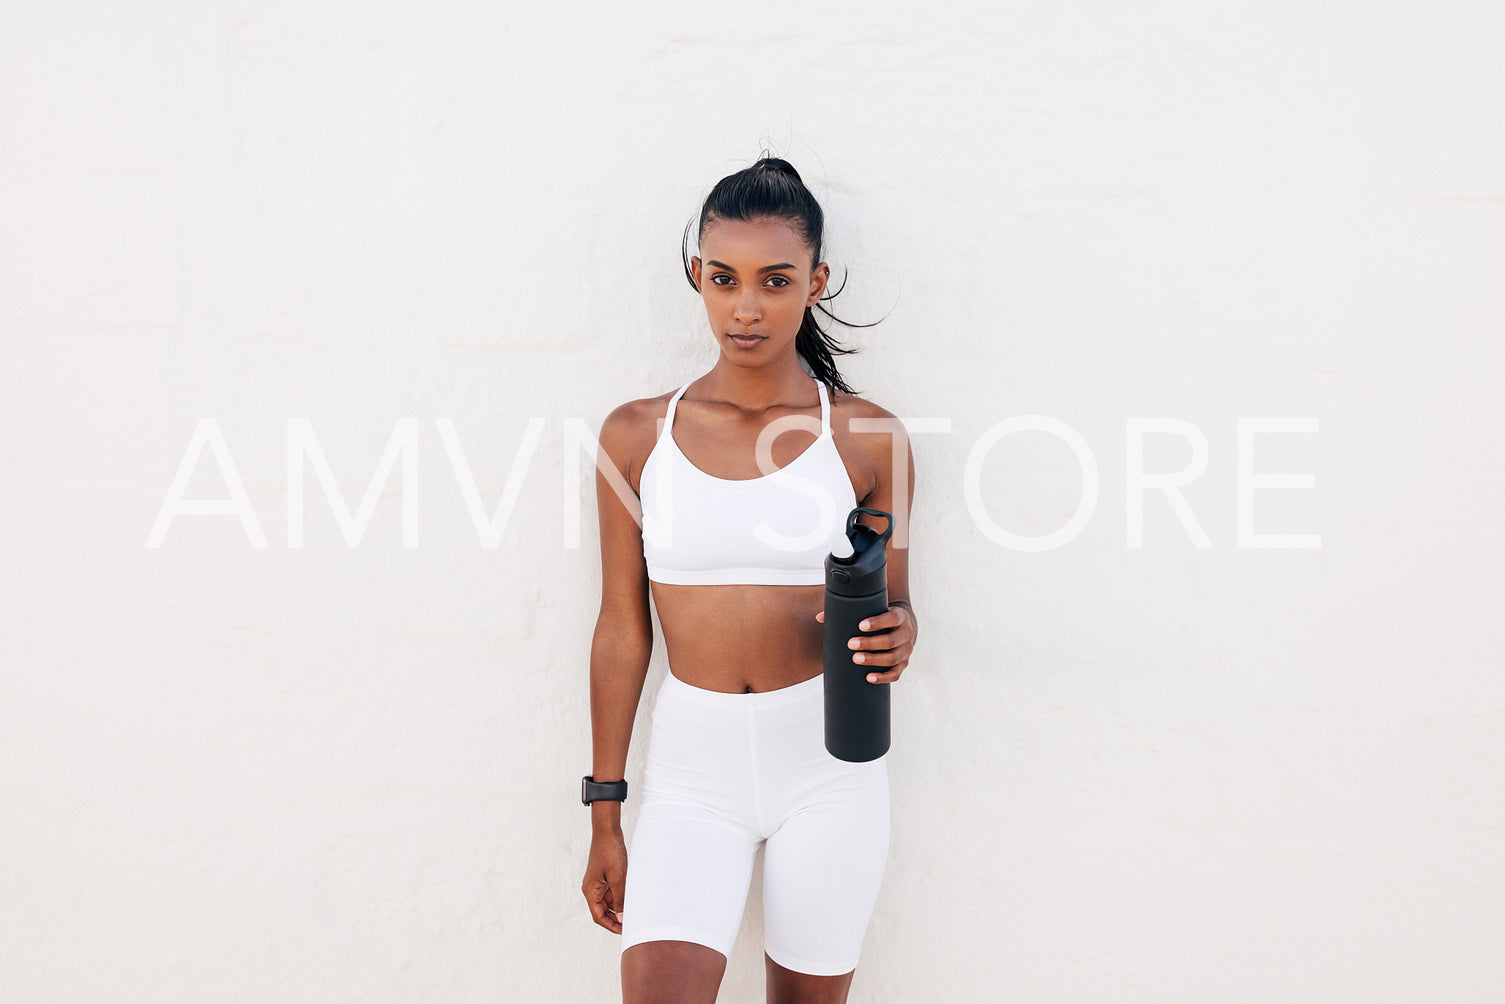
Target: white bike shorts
x=729, y=773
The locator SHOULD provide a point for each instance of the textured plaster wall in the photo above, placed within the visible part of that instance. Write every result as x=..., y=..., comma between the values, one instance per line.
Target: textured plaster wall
x=347, y=770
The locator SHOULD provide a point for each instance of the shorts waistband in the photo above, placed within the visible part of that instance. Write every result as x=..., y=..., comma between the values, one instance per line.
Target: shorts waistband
x=805, y=690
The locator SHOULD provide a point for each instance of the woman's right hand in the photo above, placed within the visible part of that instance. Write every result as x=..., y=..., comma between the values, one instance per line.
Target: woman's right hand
x=605, y=882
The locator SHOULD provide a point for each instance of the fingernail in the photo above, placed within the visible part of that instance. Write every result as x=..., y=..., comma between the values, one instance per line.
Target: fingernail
x=853, y=643
x=872, y=678
x=860, y=657
x=864, y=626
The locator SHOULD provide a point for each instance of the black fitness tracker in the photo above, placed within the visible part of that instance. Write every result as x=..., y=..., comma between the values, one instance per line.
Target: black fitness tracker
x=602, y=791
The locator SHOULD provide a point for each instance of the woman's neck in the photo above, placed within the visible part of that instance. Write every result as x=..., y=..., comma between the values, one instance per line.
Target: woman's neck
x=756, y=389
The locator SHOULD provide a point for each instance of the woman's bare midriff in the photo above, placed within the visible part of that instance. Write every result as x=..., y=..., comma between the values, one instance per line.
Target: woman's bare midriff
x=741, y=639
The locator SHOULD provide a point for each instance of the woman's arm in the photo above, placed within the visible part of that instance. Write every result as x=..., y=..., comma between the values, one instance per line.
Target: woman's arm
x=620, y=649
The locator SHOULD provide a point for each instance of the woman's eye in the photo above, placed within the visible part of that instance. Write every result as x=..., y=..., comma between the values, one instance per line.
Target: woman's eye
x=779, y=281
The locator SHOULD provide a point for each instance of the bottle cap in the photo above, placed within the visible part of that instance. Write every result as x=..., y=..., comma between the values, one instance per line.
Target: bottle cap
x=864, y=571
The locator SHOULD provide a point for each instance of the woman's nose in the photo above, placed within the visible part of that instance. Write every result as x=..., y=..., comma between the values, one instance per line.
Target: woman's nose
x=747, y=311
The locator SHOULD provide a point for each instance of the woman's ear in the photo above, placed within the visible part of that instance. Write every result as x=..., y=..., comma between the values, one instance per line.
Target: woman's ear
x=695, y=270
x=818, y=283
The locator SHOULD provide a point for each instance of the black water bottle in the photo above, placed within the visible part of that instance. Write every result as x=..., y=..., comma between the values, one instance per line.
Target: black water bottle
x=857, y=712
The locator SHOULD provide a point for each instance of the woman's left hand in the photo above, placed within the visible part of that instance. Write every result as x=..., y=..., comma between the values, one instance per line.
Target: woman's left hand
x=888, y=652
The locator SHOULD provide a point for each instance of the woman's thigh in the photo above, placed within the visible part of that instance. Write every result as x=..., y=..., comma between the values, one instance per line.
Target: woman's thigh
x=822, y=870
x=688, y=873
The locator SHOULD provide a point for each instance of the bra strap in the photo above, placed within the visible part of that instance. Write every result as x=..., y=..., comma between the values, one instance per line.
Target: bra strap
x=825, y=408
x=673, y=404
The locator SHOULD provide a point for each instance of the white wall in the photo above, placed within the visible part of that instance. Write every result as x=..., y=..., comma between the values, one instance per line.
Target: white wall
x=231, y=773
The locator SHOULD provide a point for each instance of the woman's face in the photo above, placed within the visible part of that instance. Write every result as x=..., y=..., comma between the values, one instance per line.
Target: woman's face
x=756, y=280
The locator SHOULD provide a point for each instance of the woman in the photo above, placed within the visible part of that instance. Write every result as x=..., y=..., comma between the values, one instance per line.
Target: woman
x=741, y=501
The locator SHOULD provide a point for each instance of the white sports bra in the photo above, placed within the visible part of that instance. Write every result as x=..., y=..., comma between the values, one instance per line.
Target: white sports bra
x=776, y=529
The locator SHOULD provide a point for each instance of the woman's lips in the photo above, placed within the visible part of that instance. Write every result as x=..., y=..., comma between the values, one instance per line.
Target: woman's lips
x=746, y=342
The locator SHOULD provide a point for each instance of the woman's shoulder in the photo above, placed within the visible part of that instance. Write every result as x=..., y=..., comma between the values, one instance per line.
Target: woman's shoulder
x=845, y=408
x=865, y=434
x=630, y=430
x=875, y=446
x=630, y=418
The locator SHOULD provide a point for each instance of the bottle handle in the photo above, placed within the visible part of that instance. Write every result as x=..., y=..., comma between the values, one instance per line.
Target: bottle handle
x=887, y=530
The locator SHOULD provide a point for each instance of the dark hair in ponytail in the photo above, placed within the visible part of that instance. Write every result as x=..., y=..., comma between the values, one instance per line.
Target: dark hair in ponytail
x=773, y=188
